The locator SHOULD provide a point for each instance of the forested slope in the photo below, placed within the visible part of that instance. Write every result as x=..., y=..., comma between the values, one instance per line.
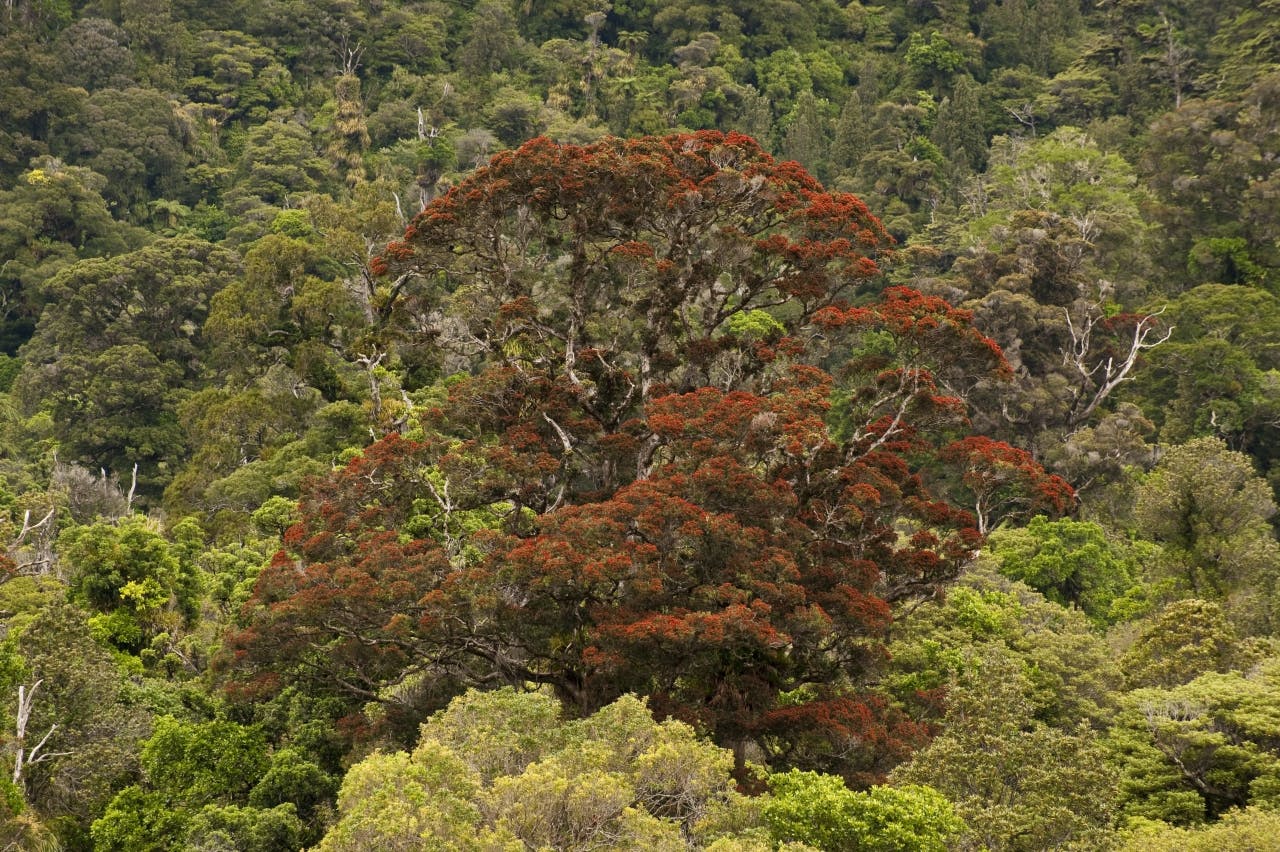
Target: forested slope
x=395, y=395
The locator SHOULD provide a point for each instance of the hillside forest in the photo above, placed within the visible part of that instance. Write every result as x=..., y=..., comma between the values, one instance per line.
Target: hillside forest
x=622, y=424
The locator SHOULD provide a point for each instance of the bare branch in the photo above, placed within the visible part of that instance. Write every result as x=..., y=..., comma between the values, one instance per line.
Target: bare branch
x=28, y=527
x=133, y=488
x=564, y=436
x=1108, y=374
x=908, y=387
x=36, y=756
x=22, y=756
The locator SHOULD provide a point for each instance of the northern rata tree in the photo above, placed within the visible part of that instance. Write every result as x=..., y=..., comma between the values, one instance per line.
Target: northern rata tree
x=1004, y=482
x=635, y=488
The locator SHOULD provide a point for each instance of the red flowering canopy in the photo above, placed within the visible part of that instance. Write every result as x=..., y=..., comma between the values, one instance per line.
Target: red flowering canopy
x=632, y=485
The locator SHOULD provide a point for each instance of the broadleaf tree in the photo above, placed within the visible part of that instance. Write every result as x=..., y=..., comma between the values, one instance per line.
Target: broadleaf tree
x=631, y=484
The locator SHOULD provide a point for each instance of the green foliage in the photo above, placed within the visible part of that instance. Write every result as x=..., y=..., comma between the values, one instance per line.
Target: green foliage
x=138, y=820
x=934, y=58
x=116, y=348
x=1216, y=376
x=957, y=131
x=1218, y=211
x=1192, y=752
x=196, y=763
x=97, y=731
x=755, y=325
x=293, y=223
x=820, y=811
x=237, y=75
x=129, y=573
x=498, y=770
x=389, y=800
x=1070, y=670
x=286, y=297
x=1017, y=784
x=229, y=826
x=1066, y=173
x=1209, y=509
x=132, y=137
x=19, y=828
x=291, y=779
x=194, y=775
x=1225, y=260
x=275, y=516
x=1250, y=828
x=1034, y=34
x=783, y=76
x=497, y=733
x=1073, y=563
x=1179, y=643
x=1048, y=253
x=52, y=216
x=807, y=135
x=279, y=163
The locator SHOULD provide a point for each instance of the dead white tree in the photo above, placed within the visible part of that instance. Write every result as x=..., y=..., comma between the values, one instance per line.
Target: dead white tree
x=24, y=757
x=370, y=363
x=28, y=559
x=1177, y=59
x=349, y=56
x=133, y=490
x=28, y=527
x=1024, y=115
x=1103, y=377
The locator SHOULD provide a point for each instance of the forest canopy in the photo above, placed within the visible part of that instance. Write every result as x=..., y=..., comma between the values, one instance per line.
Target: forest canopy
x=786, y=425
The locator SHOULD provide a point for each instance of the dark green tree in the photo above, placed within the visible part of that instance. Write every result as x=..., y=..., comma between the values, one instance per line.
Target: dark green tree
x=53, y=216
x=81, y=699
x=1034, y=33
x=118, y=345
x=94, y=54
x=194, y=774
x=134, y=139
x=1219, y=373
x=1207, y=163
x=958, y=131
x=808, y=134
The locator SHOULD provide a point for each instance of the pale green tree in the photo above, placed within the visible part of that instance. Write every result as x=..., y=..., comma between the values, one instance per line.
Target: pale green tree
x=500, y=770
x=820, y=811
x=1191, y=753
x=1179, y=643
x=1017, y=783
x=1251, y=828
x=1209, y=509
